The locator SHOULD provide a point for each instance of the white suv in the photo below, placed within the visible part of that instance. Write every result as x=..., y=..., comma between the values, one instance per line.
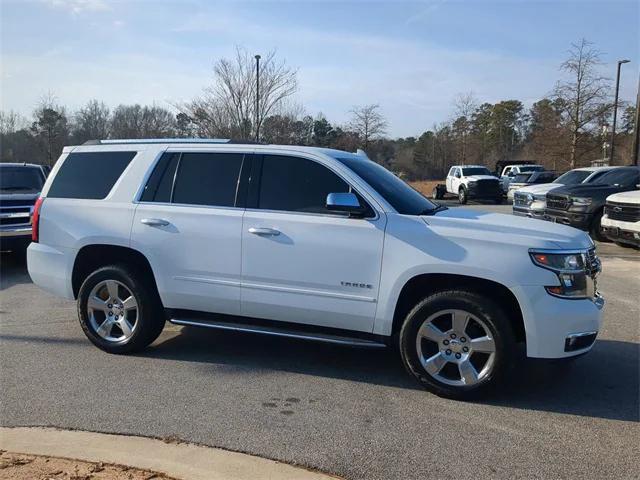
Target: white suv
x=309, y=243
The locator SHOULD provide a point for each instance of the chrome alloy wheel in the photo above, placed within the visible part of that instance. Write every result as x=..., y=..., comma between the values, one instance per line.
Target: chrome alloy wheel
x=113, y=311
x=456, y=348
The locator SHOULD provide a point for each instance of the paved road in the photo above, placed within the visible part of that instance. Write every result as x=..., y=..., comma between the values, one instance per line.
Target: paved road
x=347, y=411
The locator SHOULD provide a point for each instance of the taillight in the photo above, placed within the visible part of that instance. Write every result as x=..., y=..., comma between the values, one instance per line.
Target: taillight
x=35, y=220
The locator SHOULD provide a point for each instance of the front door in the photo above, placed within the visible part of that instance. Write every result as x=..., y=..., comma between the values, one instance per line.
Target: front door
x=302, y=263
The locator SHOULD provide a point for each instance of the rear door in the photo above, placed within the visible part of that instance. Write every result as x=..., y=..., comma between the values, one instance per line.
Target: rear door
x=188, y=223
x=300, y=262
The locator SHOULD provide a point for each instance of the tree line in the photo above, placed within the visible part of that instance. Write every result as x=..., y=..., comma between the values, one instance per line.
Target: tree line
x=564, y=130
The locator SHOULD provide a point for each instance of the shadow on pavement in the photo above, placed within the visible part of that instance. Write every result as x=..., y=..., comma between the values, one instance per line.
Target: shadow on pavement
x=13, y=269
x=602, y=384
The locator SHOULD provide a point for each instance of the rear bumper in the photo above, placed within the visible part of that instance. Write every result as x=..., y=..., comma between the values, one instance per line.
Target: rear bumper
x=573, y=219
x=50, y=268
x=556, y=327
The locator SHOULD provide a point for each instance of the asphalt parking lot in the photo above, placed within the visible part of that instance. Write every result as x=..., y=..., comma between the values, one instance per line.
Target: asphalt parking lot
x=351, y=412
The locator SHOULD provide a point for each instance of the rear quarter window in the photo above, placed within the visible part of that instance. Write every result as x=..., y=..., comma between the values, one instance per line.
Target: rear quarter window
x=89, y=175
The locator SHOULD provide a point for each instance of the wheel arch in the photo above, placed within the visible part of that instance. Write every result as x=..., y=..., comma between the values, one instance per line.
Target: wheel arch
x=91, y=257
x=423, y=285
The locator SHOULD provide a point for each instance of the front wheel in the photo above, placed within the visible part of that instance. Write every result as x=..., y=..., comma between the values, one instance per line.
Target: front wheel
x=462, y=196
x=596, y=228
x=457, y=344
x=119, y=310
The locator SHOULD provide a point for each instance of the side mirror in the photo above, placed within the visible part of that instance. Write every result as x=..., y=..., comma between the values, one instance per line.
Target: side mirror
x=345, y=203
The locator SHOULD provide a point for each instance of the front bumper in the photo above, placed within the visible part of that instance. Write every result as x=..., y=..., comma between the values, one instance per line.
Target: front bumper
x=579, y=220
x=616, y=234
x=475, y=192
x=551, y=323
x=15, y=238
x=527, y=212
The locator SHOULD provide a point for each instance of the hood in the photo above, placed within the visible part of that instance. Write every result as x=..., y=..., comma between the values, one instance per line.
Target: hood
x=481, y=177
x=540, y=188
x=588, y=189
x=632, y=197
x=509, y=229
x=26, y=196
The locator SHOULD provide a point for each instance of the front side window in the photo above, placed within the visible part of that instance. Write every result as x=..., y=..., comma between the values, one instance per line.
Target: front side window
x=620, y=176
x=296, y=184
x=89, y=175
x=573, y=177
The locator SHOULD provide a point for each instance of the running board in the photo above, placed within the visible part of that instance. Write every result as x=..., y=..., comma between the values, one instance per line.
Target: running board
x=280, y=332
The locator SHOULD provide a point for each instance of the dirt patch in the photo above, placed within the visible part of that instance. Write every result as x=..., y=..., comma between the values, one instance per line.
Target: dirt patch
x=425, y=186
x=16, y=466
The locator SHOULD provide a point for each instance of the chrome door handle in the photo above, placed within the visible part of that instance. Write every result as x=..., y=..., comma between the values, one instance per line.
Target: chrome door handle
x=154, y=222
x=264, y=231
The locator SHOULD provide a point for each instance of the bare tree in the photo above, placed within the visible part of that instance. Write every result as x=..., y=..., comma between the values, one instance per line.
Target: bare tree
x=91, y=122
x=584, y=95
x=229, y=105
x=368, y=123
x=11, y=122
x=135, y=121
x=465, y=105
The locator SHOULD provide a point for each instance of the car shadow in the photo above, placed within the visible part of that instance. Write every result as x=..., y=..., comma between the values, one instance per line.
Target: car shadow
x=602, y=384
x=13, y=269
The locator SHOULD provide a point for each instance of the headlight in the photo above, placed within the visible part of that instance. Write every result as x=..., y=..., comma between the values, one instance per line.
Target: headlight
x=580, y=203
x=572, y=271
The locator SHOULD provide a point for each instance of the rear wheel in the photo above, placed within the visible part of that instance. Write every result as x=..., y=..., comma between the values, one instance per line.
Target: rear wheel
x=119, y=310
x=462, y=196
x=437, y=193
x=457, y=344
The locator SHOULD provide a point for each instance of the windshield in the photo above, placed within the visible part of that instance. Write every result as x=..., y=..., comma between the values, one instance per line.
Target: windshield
x=21, y=178
x=467, y=171
x=619, y=176
x=531, y=168
x=573, y=177
x=400, y=196
x=521, y=178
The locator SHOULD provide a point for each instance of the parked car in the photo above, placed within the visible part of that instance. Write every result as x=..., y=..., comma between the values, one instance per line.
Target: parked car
x=582, y=205
x=288, y=241
x=467, y=182
x=529, y=178
x=531, y=201
x=509, y=173
x=20, y=185
x=621, y=219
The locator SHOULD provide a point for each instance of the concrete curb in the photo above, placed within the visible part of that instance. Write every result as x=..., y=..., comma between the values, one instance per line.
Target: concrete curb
x=180, y=460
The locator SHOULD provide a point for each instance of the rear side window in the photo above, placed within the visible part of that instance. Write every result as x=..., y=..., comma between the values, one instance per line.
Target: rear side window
x=297, y=185
x=89, y=175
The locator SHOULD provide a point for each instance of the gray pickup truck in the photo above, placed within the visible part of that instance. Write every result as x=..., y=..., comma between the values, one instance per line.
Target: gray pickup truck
x=20, y=185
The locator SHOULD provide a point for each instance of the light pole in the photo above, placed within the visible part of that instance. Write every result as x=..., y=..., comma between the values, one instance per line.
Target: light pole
x=636, y=128
x=615, y=111
x=257, y=57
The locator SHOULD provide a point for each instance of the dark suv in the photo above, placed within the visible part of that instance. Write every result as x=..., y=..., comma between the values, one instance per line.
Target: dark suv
x=582, y=205
x=20, y=185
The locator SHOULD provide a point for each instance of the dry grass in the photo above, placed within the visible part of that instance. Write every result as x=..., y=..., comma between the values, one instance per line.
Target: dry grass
x=425, y=186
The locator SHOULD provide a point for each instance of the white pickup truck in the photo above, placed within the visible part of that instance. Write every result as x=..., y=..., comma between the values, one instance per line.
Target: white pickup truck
x=470, y=182
x=621, y=219
x=308, y=243
x=509, y=173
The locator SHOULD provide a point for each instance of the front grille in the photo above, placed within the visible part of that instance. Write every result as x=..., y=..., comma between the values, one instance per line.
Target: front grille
x=622, y=212
x=487, y=187
x=557, y=202
x=593, y=265
x=520, y=200
x=15, y=212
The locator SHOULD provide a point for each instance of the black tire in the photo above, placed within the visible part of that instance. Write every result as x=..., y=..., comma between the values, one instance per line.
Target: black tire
x=436, y=193
x=484, y=309
x=498, y=200
x=596, y=228
x=150, y=317
x=462, y=196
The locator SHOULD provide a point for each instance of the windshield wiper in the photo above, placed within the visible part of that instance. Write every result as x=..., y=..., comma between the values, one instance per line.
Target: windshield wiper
x=432, y=211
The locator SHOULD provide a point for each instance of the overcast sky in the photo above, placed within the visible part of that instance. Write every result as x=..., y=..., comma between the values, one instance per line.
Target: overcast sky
x=410, y=57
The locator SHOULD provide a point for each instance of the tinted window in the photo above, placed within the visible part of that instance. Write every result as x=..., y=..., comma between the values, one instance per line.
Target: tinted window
x=400, y=196
x=573, y=177
x=620, y=176
x=297, y=185
x=531, y=168
x=24, y=179
x=521, y=178
x=89, y=175
x=158, y=188
x=468, y=171
x=207, y=179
